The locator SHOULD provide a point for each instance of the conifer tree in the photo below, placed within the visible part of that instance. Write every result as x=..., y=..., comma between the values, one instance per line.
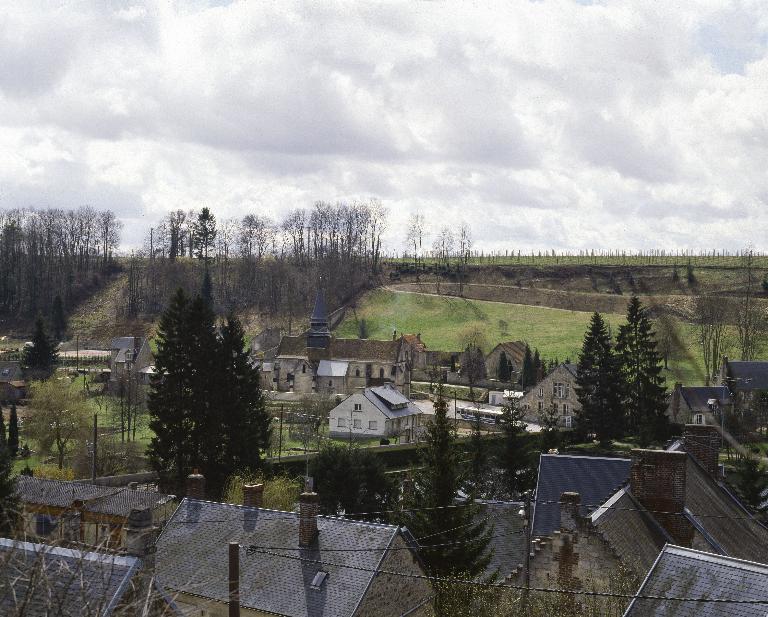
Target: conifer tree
x=475, y=484
x=431, y=506
x=641, y=375
x=9, y=501
x=42, y=355
x=528, y=373
x=3, y=437
x=514, y=464
x=245, y=422
x=206, y=290
x=752, y=481
x=504, y=372
x=171, y=394
x=538, y=367
x=598, y=385
x=58, y=320
x=204, y=234
x=13, y=431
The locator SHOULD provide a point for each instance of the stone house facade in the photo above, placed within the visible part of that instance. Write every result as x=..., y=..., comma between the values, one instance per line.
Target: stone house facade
x=55, y=511
x=512, y=351
x=319, y=362
x=557, y=391
x=128, y=355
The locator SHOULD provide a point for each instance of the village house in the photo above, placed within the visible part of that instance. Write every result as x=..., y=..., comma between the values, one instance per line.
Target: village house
x=12, y=384
x=55, y=510
x=744, y=380
x=130, y=357
x=556, y=392
x=319, y=362
x=698, y=404
x=380, y=412
x=659, y=497
x=291, y=563
x=512, y=353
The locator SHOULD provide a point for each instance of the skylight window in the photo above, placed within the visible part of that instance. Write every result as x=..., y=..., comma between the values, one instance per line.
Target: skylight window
x=317, y=582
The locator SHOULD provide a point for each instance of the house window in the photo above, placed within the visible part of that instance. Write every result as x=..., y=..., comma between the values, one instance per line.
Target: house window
x=541, y=405
x=568, y=421
x=45, y=525
x=303, y=368
x=381, y=373
x=357, y=372
x=558, y=390
x=698, y=418
x=565, y=409
x=358, y=424
x=541, y=392
x=393, y=370
x=358, y=407
x=330, y=383
x=342, y=423
x=373, y=425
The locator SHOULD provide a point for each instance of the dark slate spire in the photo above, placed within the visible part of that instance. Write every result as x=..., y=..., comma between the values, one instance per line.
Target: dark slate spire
x=319, y=334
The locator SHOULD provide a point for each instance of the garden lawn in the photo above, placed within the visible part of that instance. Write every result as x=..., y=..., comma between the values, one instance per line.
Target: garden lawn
x=441, y=320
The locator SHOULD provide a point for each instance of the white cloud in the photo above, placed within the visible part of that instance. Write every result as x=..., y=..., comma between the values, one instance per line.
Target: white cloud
x=552, y=124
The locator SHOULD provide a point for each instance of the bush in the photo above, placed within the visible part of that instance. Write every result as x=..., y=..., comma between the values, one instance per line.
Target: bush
x=52, y=472
x=281, y=492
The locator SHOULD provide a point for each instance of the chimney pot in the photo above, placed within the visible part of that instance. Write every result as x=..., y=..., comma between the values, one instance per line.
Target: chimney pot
x=196, y=485
x=309, y=506
x=569, y=511
x=253, y=495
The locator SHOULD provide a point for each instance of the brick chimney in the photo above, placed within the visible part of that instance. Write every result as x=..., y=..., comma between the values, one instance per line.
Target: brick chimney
x=196, y=485
x=569, y=511
x=309, y=506
x=702, y=442
x=657, y=481
x=676, y=393
x=253, y=495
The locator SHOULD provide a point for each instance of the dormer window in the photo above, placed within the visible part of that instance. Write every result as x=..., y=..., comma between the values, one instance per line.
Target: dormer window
x=303, y=368
x=318, y=580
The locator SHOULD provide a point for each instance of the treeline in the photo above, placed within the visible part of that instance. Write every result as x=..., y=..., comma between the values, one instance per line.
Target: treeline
x=256, y=262
x=53, y=253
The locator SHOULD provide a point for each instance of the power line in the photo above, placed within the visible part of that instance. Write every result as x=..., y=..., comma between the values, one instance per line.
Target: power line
x=469, y=582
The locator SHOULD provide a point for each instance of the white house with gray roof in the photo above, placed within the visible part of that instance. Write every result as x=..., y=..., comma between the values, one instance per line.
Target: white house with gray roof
x=375, y=413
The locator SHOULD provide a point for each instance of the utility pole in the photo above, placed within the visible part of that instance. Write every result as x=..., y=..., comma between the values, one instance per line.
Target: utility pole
x=95, y=438
x=280, y=437
x=77, y=353
x=234, y=579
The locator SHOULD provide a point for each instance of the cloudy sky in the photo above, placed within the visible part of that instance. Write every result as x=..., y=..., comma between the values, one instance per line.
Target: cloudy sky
x=550, y=124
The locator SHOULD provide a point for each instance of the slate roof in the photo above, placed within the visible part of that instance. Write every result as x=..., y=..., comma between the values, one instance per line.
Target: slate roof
x=507, y=535
x=570, y=367
x=414, y=340
x=388, y=400
x=730, y=528
x=747, y=376
x=193, y=546
x=696, y=397
x=632, y=533
x=683, y=572
x=342, y=349
x=10, y=371
x=121, y=342
x=74, y=582
x=332, y=368
x=101, y=499
x=594, y=478
x=514, y=350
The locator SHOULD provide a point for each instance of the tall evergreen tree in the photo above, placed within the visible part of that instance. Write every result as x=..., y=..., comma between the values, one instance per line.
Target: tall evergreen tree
x=514, y=464
x=752, y=481
x=41, y=356
x=245, y=421
x=3, y=436
x=478, y=467
x=504, y=373
x=598, y=385
x=58, y=319
x=204, y=234
x=432, y=513
x=538, y=367
x=642, y=378
x=171, y=395
x=9, y=501
x=528, y=373
x=13, y=431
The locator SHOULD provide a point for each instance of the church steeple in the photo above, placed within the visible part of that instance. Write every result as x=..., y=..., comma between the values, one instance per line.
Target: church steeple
x=319, y=333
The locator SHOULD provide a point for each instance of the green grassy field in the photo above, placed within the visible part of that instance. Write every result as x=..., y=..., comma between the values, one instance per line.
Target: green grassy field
x=441, y=320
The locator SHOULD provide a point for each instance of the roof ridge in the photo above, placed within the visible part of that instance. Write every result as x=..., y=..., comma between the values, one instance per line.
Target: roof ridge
x=599, y=458
x=743, y=564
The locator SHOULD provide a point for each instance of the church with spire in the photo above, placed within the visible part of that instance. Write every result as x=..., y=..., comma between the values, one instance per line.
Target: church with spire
x=317, y=361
